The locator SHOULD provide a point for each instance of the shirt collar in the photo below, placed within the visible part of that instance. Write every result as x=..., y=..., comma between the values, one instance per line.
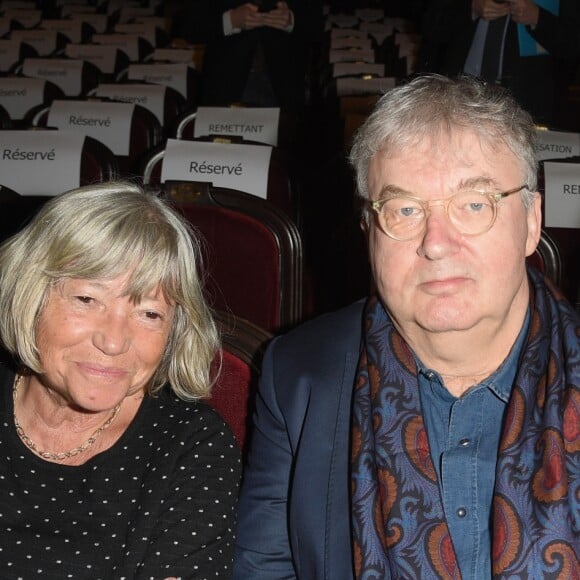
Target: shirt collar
x=502, y=380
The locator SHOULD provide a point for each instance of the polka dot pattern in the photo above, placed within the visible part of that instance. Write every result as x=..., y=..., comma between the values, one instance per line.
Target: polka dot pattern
x=161, y=502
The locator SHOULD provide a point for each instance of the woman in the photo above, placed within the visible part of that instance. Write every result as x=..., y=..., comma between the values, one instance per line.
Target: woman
x=105, y=471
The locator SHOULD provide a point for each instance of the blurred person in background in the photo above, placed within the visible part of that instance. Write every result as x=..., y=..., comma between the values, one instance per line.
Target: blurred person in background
x=532, y=48
x=255, y=52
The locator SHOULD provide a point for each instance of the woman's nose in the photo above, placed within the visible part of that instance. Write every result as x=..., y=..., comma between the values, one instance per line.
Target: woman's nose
x=112, y=337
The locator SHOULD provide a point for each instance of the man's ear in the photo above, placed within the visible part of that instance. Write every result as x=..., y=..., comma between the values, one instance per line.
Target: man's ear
x=534, y=219
x=364, y=226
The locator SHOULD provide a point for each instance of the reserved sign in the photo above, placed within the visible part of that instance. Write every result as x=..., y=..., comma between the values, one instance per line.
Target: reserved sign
x=63, y=72
x=343, y=32
x=252, y=124
x=152, y=97
x=43, y=41
x=353, y=69
x=557, y=144
x=19, y=94
x=109, y=123
x=103, y=56
x=562, y=197
x=98, y=22
x=128, y=43
x=351, y=55
x=72, y=29
x=40, y=162
x=148, y=31
x=184, y=55
x=350, y=42
x=242, y=167
x=357, y=86
x=9, y=53
x=27, y=18
x=172, y=75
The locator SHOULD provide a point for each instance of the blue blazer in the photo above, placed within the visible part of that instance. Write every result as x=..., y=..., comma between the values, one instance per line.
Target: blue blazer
x=294, y=517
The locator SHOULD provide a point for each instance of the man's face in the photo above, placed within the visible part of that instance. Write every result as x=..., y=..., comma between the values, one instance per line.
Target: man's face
x=444, y=281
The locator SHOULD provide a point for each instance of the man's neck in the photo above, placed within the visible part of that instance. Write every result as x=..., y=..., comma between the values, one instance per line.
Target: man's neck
x=465, y=358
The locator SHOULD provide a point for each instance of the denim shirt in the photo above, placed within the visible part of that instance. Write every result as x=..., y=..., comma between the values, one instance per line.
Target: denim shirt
x=463, y=436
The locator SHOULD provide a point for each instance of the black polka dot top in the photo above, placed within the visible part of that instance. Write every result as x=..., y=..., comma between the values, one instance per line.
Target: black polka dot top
x=159, y=503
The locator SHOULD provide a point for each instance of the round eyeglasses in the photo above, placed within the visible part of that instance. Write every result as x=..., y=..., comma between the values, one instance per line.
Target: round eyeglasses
x=404, y=217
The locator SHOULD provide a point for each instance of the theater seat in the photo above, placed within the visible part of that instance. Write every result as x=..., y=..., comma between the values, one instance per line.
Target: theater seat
x=145, y=132
x=254, y=253
x=238, y=366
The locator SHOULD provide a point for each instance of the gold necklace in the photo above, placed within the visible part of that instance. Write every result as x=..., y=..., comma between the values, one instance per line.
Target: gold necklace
x=65, y=454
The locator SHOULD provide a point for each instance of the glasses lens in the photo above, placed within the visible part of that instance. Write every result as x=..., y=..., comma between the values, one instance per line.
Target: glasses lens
x=402, y=217
x=471, y=212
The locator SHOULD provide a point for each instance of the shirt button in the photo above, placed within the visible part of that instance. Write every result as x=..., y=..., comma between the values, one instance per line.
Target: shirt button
x=461, y=512
x=464, y=442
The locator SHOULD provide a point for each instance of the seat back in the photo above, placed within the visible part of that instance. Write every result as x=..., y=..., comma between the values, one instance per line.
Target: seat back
x=179, y=76
x=567, y=237
x=254, y=253
x=238, y=368
x=280, y=191
x=164, y=102
x=22, y=97
x=74, y=77
x=145, y=131
x=17, y=211
x=286, y=131
x=45, y=162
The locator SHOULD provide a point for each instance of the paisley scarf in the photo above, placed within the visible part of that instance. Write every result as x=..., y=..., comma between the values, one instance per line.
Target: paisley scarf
x=399, y=528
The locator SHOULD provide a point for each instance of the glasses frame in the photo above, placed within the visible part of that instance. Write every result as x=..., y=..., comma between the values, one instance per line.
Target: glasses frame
x=494, y=198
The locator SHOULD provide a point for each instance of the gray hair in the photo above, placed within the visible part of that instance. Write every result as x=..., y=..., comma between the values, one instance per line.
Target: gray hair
x=431, y=105
x=103, y=231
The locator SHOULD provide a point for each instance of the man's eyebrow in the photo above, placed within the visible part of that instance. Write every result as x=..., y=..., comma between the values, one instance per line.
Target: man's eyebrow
x=479, y=182
x=391, y=189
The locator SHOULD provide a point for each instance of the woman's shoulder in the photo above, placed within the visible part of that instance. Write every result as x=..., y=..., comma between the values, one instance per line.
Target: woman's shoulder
x=195, y=421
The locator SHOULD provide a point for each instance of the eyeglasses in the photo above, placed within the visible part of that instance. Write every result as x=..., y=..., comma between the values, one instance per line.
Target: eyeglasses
x=404, y=217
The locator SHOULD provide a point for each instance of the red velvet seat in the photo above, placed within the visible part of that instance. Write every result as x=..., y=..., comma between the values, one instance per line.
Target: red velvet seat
x=254, y=253
x=239, y=363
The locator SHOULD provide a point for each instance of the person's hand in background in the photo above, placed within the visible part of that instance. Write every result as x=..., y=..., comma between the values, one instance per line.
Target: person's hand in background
x=246, y=16
x=524, y=12
x=281, y=17
x=489, y=9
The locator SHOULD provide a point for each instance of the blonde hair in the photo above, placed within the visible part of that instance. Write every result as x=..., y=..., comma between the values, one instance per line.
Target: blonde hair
x=103, y=231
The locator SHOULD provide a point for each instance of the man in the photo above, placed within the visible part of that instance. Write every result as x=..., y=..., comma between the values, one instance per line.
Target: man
x=530, y=47
x=431, y=432
x=255, y=52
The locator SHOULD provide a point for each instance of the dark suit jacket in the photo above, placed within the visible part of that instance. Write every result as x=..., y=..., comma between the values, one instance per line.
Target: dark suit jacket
x=294, y=518
x=448, y=31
